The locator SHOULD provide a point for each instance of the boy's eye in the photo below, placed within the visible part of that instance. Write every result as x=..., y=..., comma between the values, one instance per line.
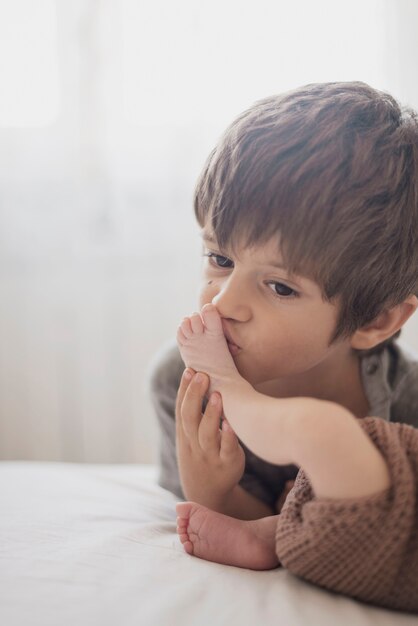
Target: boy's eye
x=219, y=260
x=280, y=289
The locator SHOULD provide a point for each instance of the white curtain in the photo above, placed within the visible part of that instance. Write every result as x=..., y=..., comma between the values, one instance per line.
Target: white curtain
x=107, y=112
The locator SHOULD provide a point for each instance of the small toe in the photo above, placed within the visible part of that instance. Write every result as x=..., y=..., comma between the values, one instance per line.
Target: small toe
x=196, y=323
x=211, y=318
x=186, y=327
x=183, y=510
x=182, y=524
x=181, y=337
x=188, y=546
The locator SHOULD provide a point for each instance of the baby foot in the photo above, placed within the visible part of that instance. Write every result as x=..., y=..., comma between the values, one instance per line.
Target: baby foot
x=204, y=348
x=215, y=537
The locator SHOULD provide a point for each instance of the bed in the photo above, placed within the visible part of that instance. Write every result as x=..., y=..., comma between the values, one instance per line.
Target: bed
x=97, y=544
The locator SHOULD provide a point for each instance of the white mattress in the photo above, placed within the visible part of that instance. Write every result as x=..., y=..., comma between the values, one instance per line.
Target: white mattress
x=96, y=544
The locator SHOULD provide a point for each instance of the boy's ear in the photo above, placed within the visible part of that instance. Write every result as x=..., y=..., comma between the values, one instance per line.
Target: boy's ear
x=384, y=326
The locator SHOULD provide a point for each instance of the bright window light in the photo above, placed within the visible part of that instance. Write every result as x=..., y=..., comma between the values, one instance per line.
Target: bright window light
x=28, y=63
x=189, y=61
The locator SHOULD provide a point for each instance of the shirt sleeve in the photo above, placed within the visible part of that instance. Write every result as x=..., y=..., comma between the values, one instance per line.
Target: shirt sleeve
x=366, y=548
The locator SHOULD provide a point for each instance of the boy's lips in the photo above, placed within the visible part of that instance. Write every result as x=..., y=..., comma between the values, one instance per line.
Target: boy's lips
x=230, y=340
x=233, y=348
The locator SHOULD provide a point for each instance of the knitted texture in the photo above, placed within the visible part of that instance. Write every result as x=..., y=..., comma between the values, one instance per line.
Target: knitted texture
x=366, y=548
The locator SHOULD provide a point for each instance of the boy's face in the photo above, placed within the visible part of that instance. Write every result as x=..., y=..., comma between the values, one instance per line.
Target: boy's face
x=280, y=322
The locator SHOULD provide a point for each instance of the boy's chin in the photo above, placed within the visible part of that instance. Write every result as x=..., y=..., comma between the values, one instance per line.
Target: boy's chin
x=252, y=375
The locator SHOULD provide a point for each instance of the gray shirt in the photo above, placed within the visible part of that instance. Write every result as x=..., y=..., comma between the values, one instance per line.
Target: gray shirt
x=390, y=381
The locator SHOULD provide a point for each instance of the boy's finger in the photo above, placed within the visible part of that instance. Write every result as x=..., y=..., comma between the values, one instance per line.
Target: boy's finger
x=209, y=435
x=184, y=383
x=229, y=440
x=191, y=408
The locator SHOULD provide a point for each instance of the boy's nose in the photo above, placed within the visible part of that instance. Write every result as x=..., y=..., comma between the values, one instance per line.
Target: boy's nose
x=233, y=302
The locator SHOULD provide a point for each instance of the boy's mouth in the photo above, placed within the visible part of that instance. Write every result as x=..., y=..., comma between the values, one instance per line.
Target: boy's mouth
x=233, y=348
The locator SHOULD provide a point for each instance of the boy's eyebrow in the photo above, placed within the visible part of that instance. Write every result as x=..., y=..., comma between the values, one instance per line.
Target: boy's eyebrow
x=211, y=239
x=207, y=236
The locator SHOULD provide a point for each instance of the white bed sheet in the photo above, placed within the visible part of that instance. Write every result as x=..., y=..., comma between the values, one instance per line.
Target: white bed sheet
x=82, y=545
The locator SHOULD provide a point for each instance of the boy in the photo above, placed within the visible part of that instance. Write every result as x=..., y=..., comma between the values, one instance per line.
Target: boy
x=310, y=216
x=324, y=180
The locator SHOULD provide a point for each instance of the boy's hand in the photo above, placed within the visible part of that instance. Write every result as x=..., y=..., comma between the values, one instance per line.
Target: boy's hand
x=211, y=461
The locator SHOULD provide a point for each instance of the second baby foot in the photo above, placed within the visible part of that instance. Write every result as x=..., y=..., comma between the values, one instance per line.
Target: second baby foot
x=215, y=537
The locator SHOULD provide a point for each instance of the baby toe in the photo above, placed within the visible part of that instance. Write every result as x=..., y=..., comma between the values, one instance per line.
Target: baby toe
x=196, y=323
x=182, y=524
x=183, y=510
x=181, y=337
x=188, y=546
x=211, y=318
x=186, y=327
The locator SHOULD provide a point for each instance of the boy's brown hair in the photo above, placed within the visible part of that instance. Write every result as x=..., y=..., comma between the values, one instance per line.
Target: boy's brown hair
x=332, y=169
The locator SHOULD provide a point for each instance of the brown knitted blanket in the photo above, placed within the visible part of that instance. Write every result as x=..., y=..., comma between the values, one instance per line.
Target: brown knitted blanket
x=366, y=548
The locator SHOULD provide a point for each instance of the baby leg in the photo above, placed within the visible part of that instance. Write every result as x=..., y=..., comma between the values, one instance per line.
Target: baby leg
x=339, y=458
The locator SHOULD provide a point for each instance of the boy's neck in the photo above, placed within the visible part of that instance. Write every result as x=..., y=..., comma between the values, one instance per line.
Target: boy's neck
x=341, y=383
